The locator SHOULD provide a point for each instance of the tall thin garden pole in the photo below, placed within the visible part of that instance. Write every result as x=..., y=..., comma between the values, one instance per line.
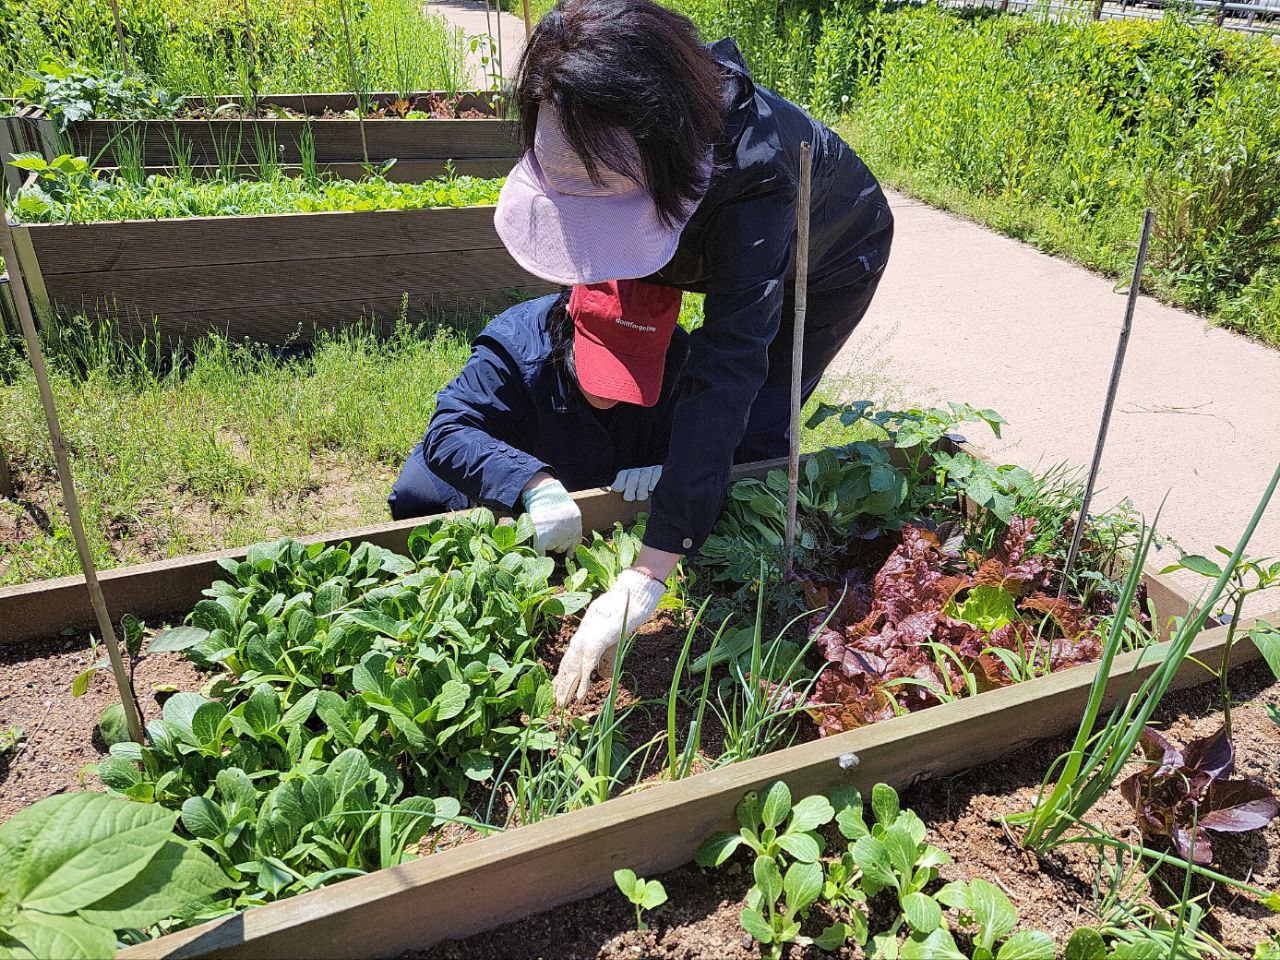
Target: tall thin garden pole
x=7, y=491
x=1116, y=366
x=23, y=307
x=797, y=345
x=528, y=22
x=253, y=56
x=356, y=83
x=124, y=52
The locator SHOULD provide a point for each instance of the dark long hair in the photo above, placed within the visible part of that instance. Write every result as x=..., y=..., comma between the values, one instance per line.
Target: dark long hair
x=560, y=331
x=634, y=66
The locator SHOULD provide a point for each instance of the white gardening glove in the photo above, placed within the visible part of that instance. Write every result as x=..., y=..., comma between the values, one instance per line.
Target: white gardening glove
x=636, y=483
x=632, y=598
x=557, y=521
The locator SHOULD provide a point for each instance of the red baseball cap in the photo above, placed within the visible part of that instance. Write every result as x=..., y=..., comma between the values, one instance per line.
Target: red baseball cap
x=621, y=331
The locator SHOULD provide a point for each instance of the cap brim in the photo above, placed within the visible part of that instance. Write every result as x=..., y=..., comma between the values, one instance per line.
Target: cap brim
x=571, y=239
x=606, y=374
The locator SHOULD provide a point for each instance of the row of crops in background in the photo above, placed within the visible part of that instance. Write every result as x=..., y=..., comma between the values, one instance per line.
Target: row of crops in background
x=1058, y=132
x=214, y=47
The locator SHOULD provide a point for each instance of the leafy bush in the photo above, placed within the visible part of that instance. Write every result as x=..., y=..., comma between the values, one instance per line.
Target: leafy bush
x=69, y=92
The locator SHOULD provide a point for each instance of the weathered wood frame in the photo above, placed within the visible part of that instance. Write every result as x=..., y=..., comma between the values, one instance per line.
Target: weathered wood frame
x=335, y=140
x=274, y=278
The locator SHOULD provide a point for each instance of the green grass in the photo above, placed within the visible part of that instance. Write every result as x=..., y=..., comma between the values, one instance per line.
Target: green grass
x=206, y=48
x=235, y=447
x=79, y=198
x=231, y=447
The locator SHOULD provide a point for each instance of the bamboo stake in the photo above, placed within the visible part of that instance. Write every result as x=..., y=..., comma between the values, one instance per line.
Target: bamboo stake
x=528, y=22
x=72, y=503
x=253, y=56
x=124, y=53
x=356, y=83
x=7, y=491
x=1134, y=289
x=797, y=345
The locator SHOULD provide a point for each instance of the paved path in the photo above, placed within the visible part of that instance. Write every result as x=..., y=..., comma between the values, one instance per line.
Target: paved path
x=966, y=314
x=470, y=17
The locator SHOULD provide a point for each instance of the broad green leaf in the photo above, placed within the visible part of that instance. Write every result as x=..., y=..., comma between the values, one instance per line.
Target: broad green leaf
x=802, y=885
x=262, y=709
x=833, y=937
x=176, y=878
x=872, y=858
x=477, y=765
x=755, y=924
x=80, y=685
x=922, y=912
x=655, y=895
x=1086, y=944
x=1028, y=945
x=178, y=712
x=768, y=878
x=1267, y=640
x=938, y=945
x=67, y=851
x=112, y=725
x=775, y=805
x=1197, y=564
x=206, y=723
x=1142, y=950
x=177, y=639
x=452, y=699
x=902, y=851
x=884, y=804
x=718, y=848
x=802, y=846
x=811, y=813
x=66, y=938
x=203, y=818
x=626, y=881
x=992, y=911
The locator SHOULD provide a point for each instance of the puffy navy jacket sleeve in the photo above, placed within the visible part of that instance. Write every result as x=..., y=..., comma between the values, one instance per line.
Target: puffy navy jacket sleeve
x=747, y=254
x=465, y=443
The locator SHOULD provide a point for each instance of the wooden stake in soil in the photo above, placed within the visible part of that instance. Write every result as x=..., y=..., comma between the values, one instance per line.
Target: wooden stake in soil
x=1134, y=289
x=357, y=85
x=124, y=53
x=6, y=477
x=528, y=22
x=23, y=308
x=797, y=344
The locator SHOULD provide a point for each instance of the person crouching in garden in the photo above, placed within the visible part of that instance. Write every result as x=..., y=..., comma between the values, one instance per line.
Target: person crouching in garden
x=560, y=393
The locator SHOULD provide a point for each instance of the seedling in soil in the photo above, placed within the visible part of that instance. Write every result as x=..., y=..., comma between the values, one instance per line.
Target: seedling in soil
x=643, y=894
x=10, y=738
x=988, y=915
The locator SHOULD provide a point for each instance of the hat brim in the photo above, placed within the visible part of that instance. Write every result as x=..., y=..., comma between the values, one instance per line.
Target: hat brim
x=571, y=239
x=613, y=376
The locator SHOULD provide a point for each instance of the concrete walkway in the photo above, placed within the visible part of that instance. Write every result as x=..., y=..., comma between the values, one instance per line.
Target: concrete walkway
x=966, y=314
x=470, y=17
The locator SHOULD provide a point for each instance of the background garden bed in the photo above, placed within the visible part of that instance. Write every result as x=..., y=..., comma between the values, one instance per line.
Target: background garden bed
x=478, y=131
x=274, y=278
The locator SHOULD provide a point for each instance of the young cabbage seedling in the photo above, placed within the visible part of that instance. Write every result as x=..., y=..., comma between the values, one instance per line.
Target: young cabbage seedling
x=643, y=894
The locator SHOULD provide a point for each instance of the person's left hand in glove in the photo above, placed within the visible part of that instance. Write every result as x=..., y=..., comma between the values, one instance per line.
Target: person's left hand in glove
x=636, y=483
x=631, y=601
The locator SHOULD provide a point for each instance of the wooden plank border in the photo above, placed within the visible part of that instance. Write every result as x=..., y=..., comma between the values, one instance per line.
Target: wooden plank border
x=451, y=894
x=171, y=587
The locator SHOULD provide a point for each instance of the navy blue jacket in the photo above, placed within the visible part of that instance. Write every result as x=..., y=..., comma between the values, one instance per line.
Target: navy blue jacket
x=513, y=411
x=737, y=248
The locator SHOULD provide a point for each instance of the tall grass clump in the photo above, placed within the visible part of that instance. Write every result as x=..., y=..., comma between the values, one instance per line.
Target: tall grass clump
x=205, y=48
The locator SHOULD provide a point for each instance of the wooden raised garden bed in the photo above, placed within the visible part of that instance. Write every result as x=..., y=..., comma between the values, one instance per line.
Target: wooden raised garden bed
x=273, y=278
x=477, y=135
x=450, y=894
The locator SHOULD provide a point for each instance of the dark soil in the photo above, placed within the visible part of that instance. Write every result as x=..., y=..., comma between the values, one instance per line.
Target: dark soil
x=60, y=731
x=440, y=108
x=700, y=919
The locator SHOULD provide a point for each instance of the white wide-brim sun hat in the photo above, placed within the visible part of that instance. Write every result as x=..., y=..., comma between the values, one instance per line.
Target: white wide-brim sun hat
x=561, y=226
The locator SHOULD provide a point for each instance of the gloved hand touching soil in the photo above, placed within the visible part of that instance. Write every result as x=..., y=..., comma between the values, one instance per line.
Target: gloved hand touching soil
x=630, y=602
x=557, y=521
